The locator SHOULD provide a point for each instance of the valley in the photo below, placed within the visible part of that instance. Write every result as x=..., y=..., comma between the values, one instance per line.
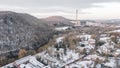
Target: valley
x=29, y=42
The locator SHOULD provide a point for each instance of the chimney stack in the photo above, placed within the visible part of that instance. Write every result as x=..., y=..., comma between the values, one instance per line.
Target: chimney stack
x=77, y=21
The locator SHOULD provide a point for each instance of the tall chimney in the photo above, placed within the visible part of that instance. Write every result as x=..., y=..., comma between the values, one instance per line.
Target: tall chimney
x=77, y=21
x=76, y=16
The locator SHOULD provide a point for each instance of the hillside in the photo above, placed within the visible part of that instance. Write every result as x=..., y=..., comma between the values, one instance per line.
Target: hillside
x=22, y=30
x=57, y=21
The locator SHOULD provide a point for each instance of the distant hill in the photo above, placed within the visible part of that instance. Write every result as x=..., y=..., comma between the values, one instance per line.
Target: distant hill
x=22, y=30
x=56, y=18
x=57, y=21
x=113, y=21
x=110, y=21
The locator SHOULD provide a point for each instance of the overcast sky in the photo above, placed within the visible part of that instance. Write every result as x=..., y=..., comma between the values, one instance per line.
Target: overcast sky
x=88, y=9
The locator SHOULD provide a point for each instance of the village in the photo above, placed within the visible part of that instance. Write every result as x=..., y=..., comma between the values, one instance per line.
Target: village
x=59, y=34
x=76, y=51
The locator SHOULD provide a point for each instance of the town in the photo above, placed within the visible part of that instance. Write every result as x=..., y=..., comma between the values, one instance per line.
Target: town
x=76, y=50
x=59, y=34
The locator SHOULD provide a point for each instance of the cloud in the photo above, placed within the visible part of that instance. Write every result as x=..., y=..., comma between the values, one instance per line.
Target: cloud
x=43, y=8
x=105, y=10
x=47, y=3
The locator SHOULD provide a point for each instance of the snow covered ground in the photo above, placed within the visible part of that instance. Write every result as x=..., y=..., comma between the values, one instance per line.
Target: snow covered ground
x=115, y=31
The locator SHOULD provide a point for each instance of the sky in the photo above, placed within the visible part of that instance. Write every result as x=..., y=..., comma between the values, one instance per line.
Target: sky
x=87, y=9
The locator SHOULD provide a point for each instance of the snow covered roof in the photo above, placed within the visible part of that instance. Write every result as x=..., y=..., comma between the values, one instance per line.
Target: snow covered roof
x=105, y=39
x=23, y=60
x=62, y=28
x=36, y=63
x=47, y=57
x=94, y=57
x=85, y=64
x=18, y=62
x=86, y=36
x=59, y=39
x=111, y=63
x=114, y=31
